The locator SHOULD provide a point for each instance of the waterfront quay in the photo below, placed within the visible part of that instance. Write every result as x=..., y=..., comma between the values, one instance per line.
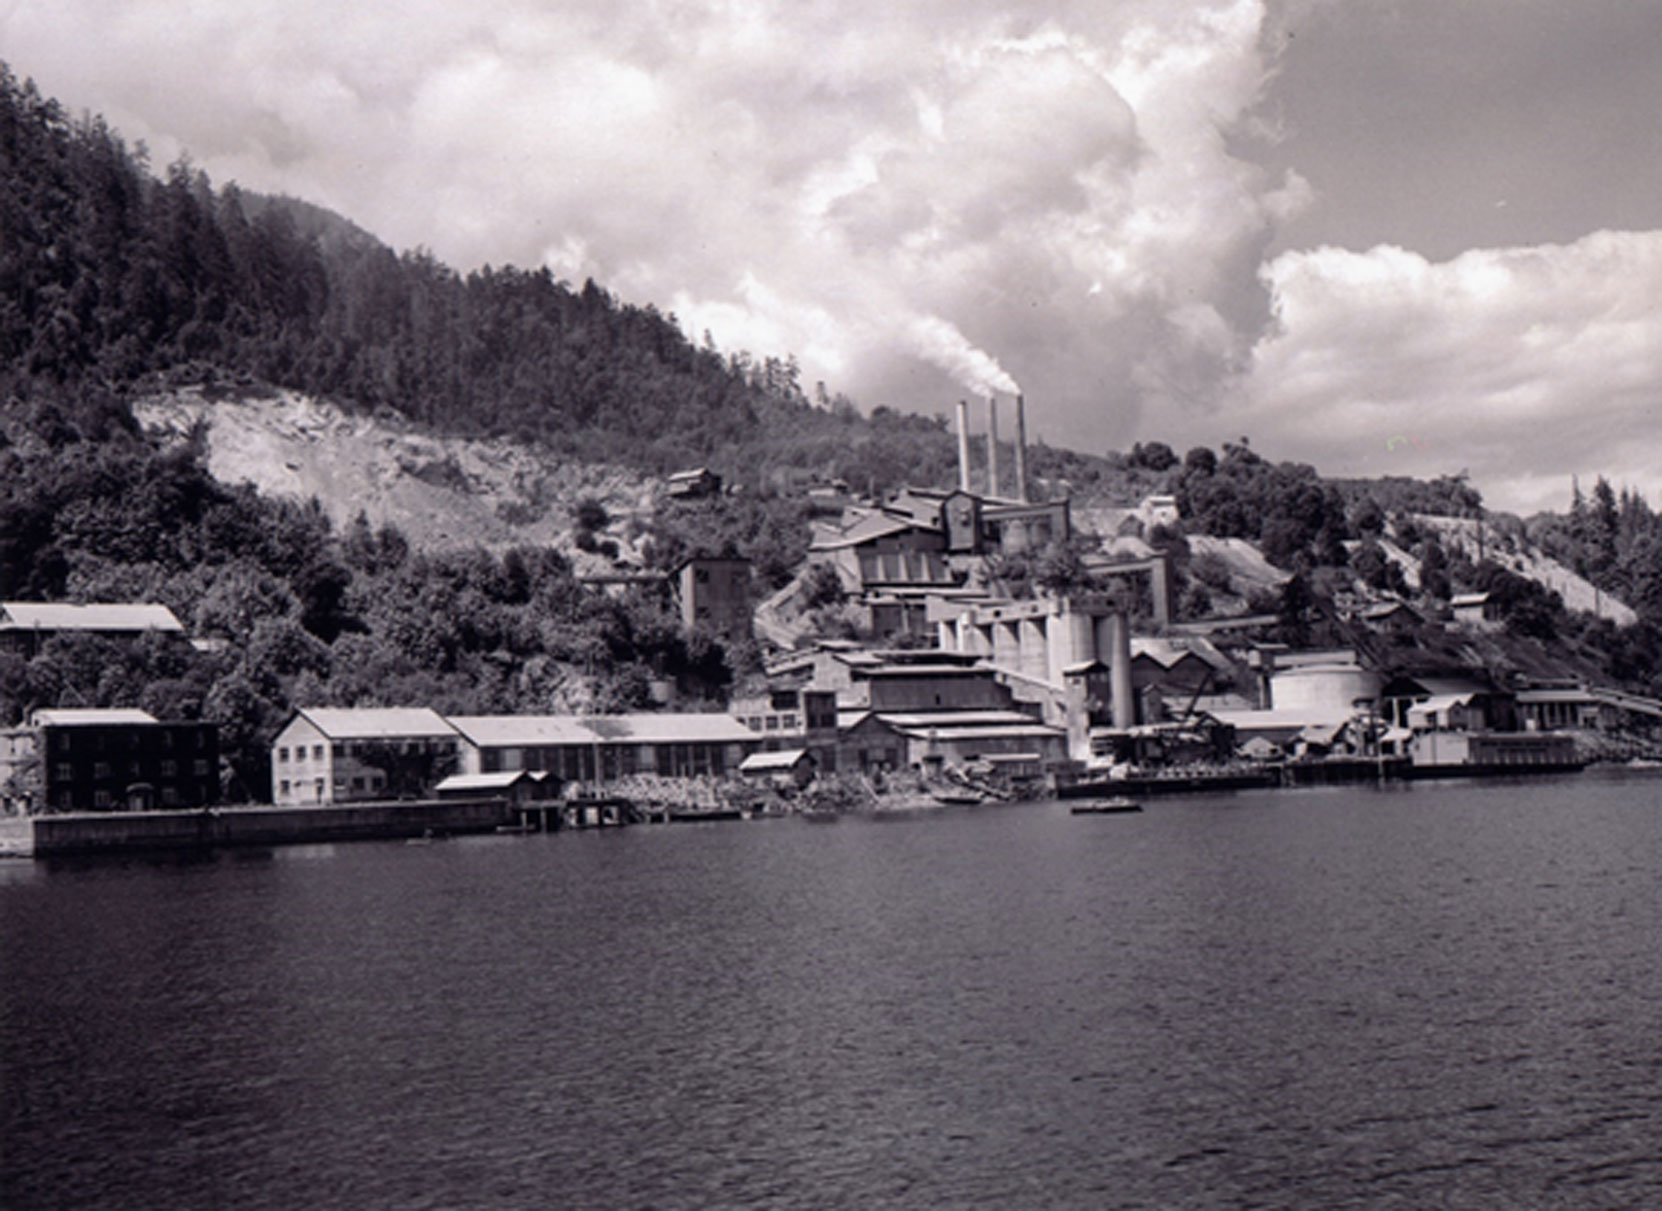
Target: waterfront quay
x=52, y=835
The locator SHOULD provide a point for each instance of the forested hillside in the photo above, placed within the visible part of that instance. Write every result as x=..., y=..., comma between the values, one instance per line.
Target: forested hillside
x=110, y=275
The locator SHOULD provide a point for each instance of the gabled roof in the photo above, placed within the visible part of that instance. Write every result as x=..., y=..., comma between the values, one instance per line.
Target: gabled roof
x=65, y=616
x=784, y=759
x=1026, y=730
x=90, y=717
x=928, y=719
x=1435, y=684
x=1289, y=719
x=376, y=723
x=489, y=731
x=666, y=728
x=1439, y=702
x=490, y=782
x=1558, y=694
x=868, y=529
x=1170, y=651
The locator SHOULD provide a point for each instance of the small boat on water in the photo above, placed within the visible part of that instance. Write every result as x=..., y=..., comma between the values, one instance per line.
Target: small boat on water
x=1105, y=807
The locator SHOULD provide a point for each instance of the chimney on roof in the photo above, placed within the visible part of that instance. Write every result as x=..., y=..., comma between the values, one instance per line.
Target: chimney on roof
x=1021, y=448
x=992, y=445
x=963, y=446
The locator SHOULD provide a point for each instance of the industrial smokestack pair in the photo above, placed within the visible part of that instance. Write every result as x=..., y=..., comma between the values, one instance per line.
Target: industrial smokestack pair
x=992, y=446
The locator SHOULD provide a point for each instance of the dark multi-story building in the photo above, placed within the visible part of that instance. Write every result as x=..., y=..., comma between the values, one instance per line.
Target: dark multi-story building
x=714, y=594
x=109, y=760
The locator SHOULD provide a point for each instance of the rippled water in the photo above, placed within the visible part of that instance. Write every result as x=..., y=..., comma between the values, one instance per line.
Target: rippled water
x=1435, y=996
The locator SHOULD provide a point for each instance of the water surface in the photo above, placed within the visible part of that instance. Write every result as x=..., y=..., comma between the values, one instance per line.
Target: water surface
x=1437, y=995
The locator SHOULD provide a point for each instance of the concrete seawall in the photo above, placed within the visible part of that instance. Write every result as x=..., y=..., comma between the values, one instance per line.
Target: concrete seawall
x=112, y=832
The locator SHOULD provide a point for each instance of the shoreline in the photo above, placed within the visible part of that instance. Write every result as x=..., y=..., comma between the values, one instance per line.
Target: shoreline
x=110, y=833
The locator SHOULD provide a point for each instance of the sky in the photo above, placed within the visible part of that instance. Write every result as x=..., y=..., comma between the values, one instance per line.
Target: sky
x=1385, y=237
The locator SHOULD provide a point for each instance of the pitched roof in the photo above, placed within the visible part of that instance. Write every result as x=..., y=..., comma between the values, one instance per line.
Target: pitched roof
x=867, y=529
x=783, y=759
x=1440, y=702
x=666, y=728
x=495, y=730
x=66, y=616
x=88, y=717
x=376, y=723
x=643, y=727
x=490, y=782
x=1170, y=650
x=927, y=719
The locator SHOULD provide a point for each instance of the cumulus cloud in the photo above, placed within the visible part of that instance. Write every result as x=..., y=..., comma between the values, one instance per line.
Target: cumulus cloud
x=916, y=200
x=1522, y=365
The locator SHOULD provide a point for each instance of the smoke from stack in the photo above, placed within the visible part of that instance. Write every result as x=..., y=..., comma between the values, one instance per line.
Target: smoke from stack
x=992, y=445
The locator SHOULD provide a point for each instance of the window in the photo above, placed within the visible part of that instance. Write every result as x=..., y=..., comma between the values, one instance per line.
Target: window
x=200, y=768
x=357, y=784
x=100, y=798
x=283, y=787
x=317, y=752
x=170, y=796
x=63, y=772
x=338, y=751
x=317, y=788
x=773, y=723
x=101, y=769
x=788, y=723
x=282, y=754
x=170, y=769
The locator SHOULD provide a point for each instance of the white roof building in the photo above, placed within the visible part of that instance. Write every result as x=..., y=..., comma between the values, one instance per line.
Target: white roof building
x=50, y=617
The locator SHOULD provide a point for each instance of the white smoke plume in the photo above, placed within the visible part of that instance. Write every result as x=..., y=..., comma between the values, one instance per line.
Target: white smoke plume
x=941, y=344
x=876, y=188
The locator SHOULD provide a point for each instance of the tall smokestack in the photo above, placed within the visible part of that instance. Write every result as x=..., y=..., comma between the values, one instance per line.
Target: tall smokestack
x=992, y=445
x=963, y=446
x=1122, y=695
x=1021, y=448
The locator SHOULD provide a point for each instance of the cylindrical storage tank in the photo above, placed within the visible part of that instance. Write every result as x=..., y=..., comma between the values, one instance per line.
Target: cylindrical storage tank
x=1323, y=690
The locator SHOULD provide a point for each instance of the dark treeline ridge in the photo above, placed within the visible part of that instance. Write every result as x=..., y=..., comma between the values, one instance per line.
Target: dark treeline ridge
x=111, y=275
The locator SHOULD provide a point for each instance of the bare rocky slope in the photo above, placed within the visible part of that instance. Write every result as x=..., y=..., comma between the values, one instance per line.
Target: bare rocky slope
x=441, y=492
